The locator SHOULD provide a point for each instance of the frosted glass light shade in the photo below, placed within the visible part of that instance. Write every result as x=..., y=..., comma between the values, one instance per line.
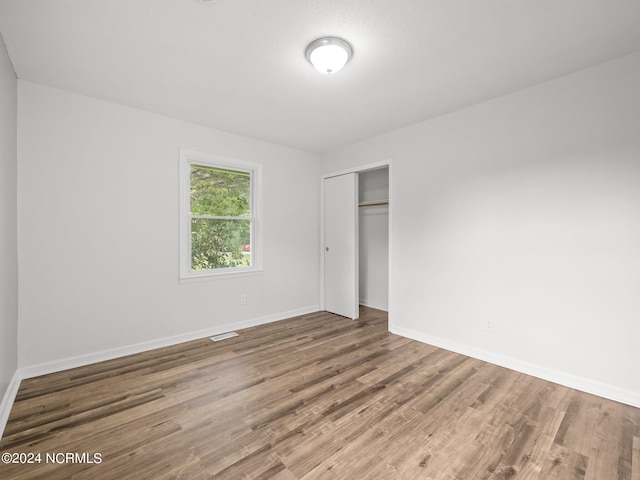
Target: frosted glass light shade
x=328, y=55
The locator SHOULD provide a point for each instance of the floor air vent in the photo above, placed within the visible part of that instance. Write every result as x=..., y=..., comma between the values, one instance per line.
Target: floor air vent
x=224, y=336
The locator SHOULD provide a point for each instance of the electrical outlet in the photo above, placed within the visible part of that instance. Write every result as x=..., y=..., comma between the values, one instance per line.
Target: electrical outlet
x=243, y=299
x=489, y=326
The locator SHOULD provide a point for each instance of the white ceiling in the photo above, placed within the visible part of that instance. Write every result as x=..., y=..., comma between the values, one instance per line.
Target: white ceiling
x=239, y=65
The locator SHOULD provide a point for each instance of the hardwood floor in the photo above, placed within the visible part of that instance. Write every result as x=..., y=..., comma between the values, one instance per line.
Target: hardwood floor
x=315, y=397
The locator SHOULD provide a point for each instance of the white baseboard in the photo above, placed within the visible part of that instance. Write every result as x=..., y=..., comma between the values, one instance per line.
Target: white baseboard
x=8, y=399
x=82, y=360
x=377, y=306
x=600, y=389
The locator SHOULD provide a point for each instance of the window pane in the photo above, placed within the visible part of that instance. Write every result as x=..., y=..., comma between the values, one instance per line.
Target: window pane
x=219, y=192
x=220, y=243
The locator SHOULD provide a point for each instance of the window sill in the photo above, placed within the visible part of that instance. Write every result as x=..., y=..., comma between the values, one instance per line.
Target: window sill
x=222, y=274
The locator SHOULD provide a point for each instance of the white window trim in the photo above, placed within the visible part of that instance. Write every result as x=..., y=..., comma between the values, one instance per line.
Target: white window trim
x=189, y=157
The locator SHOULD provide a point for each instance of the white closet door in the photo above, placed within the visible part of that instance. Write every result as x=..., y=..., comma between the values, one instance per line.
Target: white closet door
x=341, y=245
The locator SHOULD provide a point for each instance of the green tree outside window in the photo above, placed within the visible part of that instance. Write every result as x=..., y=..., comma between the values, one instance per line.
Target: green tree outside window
x=220, y=205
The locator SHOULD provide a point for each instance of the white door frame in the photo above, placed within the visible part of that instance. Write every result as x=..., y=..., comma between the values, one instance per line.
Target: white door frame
x=355, y=169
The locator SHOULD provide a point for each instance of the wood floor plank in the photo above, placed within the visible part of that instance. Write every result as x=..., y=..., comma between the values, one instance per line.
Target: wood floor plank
x=635, y=463
x=316, y=397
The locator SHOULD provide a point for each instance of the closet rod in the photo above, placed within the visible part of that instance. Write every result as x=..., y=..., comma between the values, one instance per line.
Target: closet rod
x=376, y=204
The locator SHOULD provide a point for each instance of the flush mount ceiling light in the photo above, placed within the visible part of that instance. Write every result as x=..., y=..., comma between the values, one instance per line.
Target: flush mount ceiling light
x=329, y=54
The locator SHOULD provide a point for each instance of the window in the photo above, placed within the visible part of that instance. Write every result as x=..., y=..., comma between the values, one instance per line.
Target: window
x=219, y=224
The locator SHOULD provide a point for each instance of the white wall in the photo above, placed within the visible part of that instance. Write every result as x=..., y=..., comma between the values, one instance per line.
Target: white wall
x=8, y=226
x=98, y=230
x=523, y=214
x=373, y=235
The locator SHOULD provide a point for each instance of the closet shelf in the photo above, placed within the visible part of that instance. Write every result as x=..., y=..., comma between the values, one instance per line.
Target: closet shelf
x=375, y=203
